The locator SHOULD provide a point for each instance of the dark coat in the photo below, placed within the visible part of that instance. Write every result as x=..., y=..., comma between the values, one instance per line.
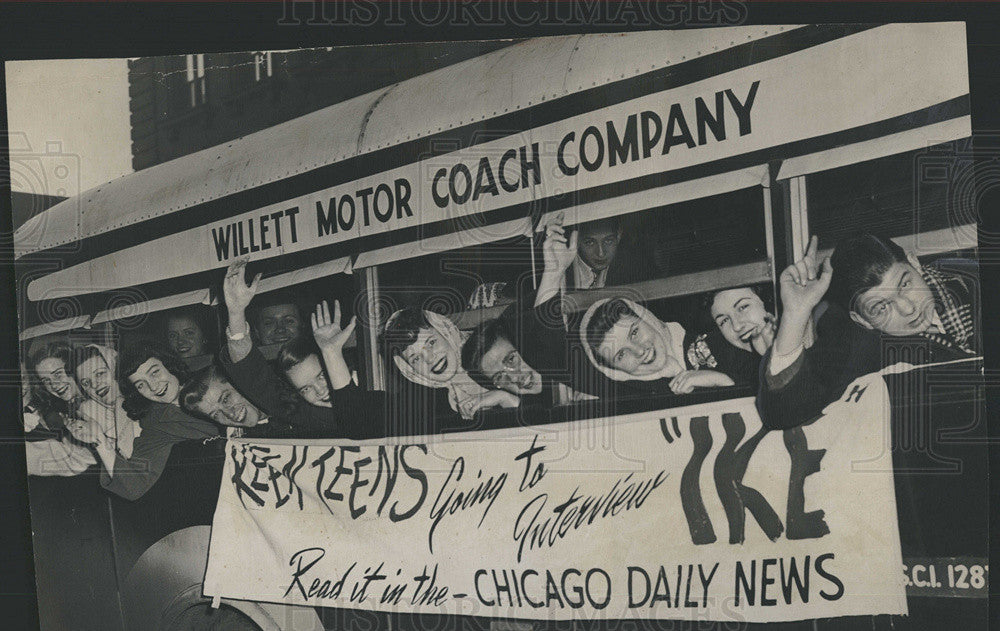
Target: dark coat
x=163, y=426
x=842, y=352
x=288, y=415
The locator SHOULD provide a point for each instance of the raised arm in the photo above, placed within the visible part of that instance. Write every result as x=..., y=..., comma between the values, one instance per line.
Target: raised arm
x=558, y=253
x=238, y=296
x=796, y=384
x=330, y=338
x=803, y=285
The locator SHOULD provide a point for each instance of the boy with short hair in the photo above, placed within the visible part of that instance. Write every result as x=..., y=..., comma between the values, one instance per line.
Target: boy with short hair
x=256, y=379
x=210, y=395
x=880, y=297
x=276, y=320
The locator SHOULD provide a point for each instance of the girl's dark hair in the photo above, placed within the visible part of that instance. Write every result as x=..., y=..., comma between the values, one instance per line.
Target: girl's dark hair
x=136, y=354
x=859, y=263
x=603, y=320
x=703, y=320
x=41, y=399
x=193, y=392
x=201, y=315
x=402, y=331
x=479, y=343
x=295, y=351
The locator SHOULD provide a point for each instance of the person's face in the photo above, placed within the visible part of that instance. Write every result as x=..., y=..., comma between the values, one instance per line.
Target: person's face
x=55, y=379
x=633, y=346
x=153, y=381
x=505, y=368
x=309, y=380
x=741, y=316
x=224, y=405
x=597, y=247
x=902, y=304
x=432, y=357
x=278, y=323
x=185, y=337
x=96, y=381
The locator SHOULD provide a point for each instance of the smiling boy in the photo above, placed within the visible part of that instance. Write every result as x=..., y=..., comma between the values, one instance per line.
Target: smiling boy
x=298, y=359
x=210, y=395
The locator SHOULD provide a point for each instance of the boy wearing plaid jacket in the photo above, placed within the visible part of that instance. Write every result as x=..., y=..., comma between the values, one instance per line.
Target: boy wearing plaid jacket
x=884, y=308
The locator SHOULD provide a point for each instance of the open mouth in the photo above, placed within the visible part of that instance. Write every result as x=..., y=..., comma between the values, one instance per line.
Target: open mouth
x=162, y=391
x=748, y=335
x=527, y=382
x=325, y=398
x=102, y=391
x=61, y=390
x=649, y=356
x=242, y=416
x=440, y=366
x=182, y=349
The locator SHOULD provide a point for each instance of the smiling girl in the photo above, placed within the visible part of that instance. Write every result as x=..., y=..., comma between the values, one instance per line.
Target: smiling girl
x=54, y=393
x=626, y=342
x=186, y=331
x=426, y=349
x=102, y=420
x=51, y=401
x=149, y=377
x=742, y=332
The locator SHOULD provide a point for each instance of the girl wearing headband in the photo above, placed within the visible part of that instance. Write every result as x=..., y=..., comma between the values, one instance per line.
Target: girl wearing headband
x=626, y=342
x=426, y=349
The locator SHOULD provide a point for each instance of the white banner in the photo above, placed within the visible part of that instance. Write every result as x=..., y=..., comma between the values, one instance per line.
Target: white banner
x=688, y=513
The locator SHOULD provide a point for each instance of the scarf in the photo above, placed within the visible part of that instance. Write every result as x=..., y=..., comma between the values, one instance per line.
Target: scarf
x=109, y=422
x=462, y=390
x=956, y=316
x=675, y=362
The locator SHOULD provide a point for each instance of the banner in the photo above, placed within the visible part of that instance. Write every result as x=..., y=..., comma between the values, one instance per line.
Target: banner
x=687, y=513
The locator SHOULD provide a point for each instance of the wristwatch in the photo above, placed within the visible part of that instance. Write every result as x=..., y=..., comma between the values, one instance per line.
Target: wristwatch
x=236, y=337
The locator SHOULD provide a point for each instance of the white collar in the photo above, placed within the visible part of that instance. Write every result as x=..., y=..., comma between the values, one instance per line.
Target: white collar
x=584, y=275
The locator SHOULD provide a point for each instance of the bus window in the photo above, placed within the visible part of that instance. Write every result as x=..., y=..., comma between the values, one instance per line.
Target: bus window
x=70, y=388
x=886, y=196
x=282, y=315
x=192, y=332
x=486, y=276
x=658, y=267
x=670, y=242
x=461, y=288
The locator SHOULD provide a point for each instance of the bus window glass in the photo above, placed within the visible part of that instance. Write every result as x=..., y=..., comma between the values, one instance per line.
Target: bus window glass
x=886, y=196
x=669, y=241
x=192, y=332
x=477, y=277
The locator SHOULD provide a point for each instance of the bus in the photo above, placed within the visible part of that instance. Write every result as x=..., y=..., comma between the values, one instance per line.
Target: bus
x=688, y=161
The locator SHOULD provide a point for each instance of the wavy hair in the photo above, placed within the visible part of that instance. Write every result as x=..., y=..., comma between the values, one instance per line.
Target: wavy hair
x=136, y=354
x=41, y=399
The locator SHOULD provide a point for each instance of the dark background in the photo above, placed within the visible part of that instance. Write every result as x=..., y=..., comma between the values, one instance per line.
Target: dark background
x=59, y=30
